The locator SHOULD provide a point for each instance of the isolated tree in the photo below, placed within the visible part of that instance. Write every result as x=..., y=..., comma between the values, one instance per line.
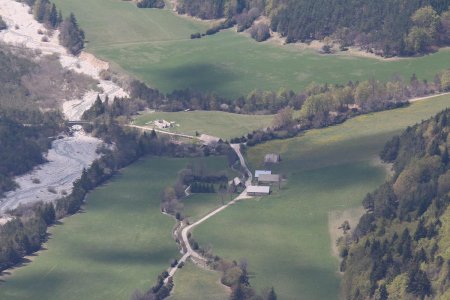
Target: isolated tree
x=2, y=24
x=424, y=33
x=418, y=40
x=272, y=295
x=426, y=18
x=260, y=32
x=445, y=80
x=345, y=226
x=53, y=19
x=39, y=10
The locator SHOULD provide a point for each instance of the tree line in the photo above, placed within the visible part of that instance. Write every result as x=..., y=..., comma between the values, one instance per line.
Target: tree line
x=151, y=4
x=397, y=251
x=25, y=233
x=368, y=95
x=388, y=28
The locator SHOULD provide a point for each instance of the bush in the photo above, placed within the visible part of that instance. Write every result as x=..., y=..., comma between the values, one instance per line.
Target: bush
x=260, y=32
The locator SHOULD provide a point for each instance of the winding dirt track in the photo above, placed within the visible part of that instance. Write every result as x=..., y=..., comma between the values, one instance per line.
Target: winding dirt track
x=185, y=231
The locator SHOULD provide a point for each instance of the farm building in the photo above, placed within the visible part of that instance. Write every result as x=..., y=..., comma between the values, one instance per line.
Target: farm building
x=262, y=172
x=255, y=190
x=269, y=178
x=236, y=182
x=272, y=158
x=163, y=124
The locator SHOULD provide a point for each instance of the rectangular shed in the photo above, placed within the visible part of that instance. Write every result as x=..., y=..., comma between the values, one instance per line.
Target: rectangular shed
x=255, y=190
x=261, y=172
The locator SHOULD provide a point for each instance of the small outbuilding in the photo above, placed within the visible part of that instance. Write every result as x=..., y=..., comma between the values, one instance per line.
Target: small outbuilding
x=255, y=190
x=236, y=182
x=262, y=172
x=272, y=158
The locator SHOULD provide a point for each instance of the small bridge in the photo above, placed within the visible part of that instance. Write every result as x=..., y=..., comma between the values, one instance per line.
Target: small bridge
x=71, y=123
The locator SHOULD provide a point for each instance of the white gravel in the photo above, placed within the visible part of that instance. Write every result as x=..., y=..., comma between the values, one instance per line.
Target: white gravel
x=66, y=160
x=68, y=156
x=23, y=31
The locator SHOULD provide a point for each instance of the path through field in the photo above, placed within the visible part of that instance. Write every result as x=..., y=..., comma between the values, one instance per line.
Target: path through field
x=184, y=233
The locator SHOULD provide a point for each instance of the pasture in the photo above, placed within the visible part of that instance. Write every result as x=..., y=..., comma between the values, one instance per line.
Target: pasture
x=120, y=243
x=192, y=282
x=154, y=45
x=285, y=237
x=216, y=123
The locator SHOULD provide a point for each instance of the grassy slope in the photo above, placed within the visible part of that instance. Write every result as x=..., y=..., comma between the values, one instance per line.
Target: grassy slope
x=121, y=243
x=154, y=45
x=221, y=124
x=192, y=282
x=285, y=236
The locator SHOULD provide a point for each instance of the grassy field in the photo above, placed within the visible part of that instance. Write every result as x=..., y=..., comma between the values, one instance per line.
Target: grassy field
x=154, y=45
x=285, y=237
x=216, y=123
x=121, y=242
x=192, y=282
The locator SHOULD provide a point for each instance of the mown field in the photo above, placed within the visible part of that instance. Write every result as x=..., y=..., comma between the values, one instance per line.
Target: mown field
x=285, y=237
x=192, y=283
x=216, y=123
x=120, y=243
x=154, y=45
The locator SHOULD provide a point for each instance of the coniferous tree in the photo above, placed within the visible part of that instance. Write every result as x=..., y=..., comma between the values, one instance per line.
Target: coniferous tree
x=71, y=36
x=53, y=17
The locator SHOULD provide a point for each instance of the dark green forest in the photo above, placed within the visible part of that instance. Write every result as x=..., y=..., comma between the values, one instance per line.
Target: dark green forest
x=400, y=248
x=151, y=4
x=389, y=27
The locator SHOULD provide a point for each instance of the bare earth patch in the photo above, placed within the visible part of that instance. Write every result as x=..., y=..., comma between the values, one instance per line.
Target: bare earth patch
x=335, y=220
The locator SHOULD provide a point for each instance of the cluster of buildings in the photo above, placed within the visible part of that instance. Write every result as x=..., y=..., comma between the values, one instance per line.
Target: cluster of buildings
x=265, y=180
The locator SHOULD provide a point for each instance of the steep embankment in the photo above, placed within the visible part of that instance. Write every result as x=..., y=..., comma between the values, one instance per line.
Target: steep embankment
x=400, y=248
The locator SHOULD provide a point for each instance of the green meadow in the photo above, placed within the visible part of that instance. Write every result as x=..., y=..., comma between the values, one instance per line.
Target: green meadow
x=154, y=46
x=285, y=236
x=216, y=123
x=119, y=243
x=192, y=282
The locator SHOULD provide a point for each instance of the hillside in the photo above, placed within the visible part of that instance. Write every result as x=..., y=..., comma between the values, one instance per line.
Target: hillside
x=388, y=27
x=400, y=248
